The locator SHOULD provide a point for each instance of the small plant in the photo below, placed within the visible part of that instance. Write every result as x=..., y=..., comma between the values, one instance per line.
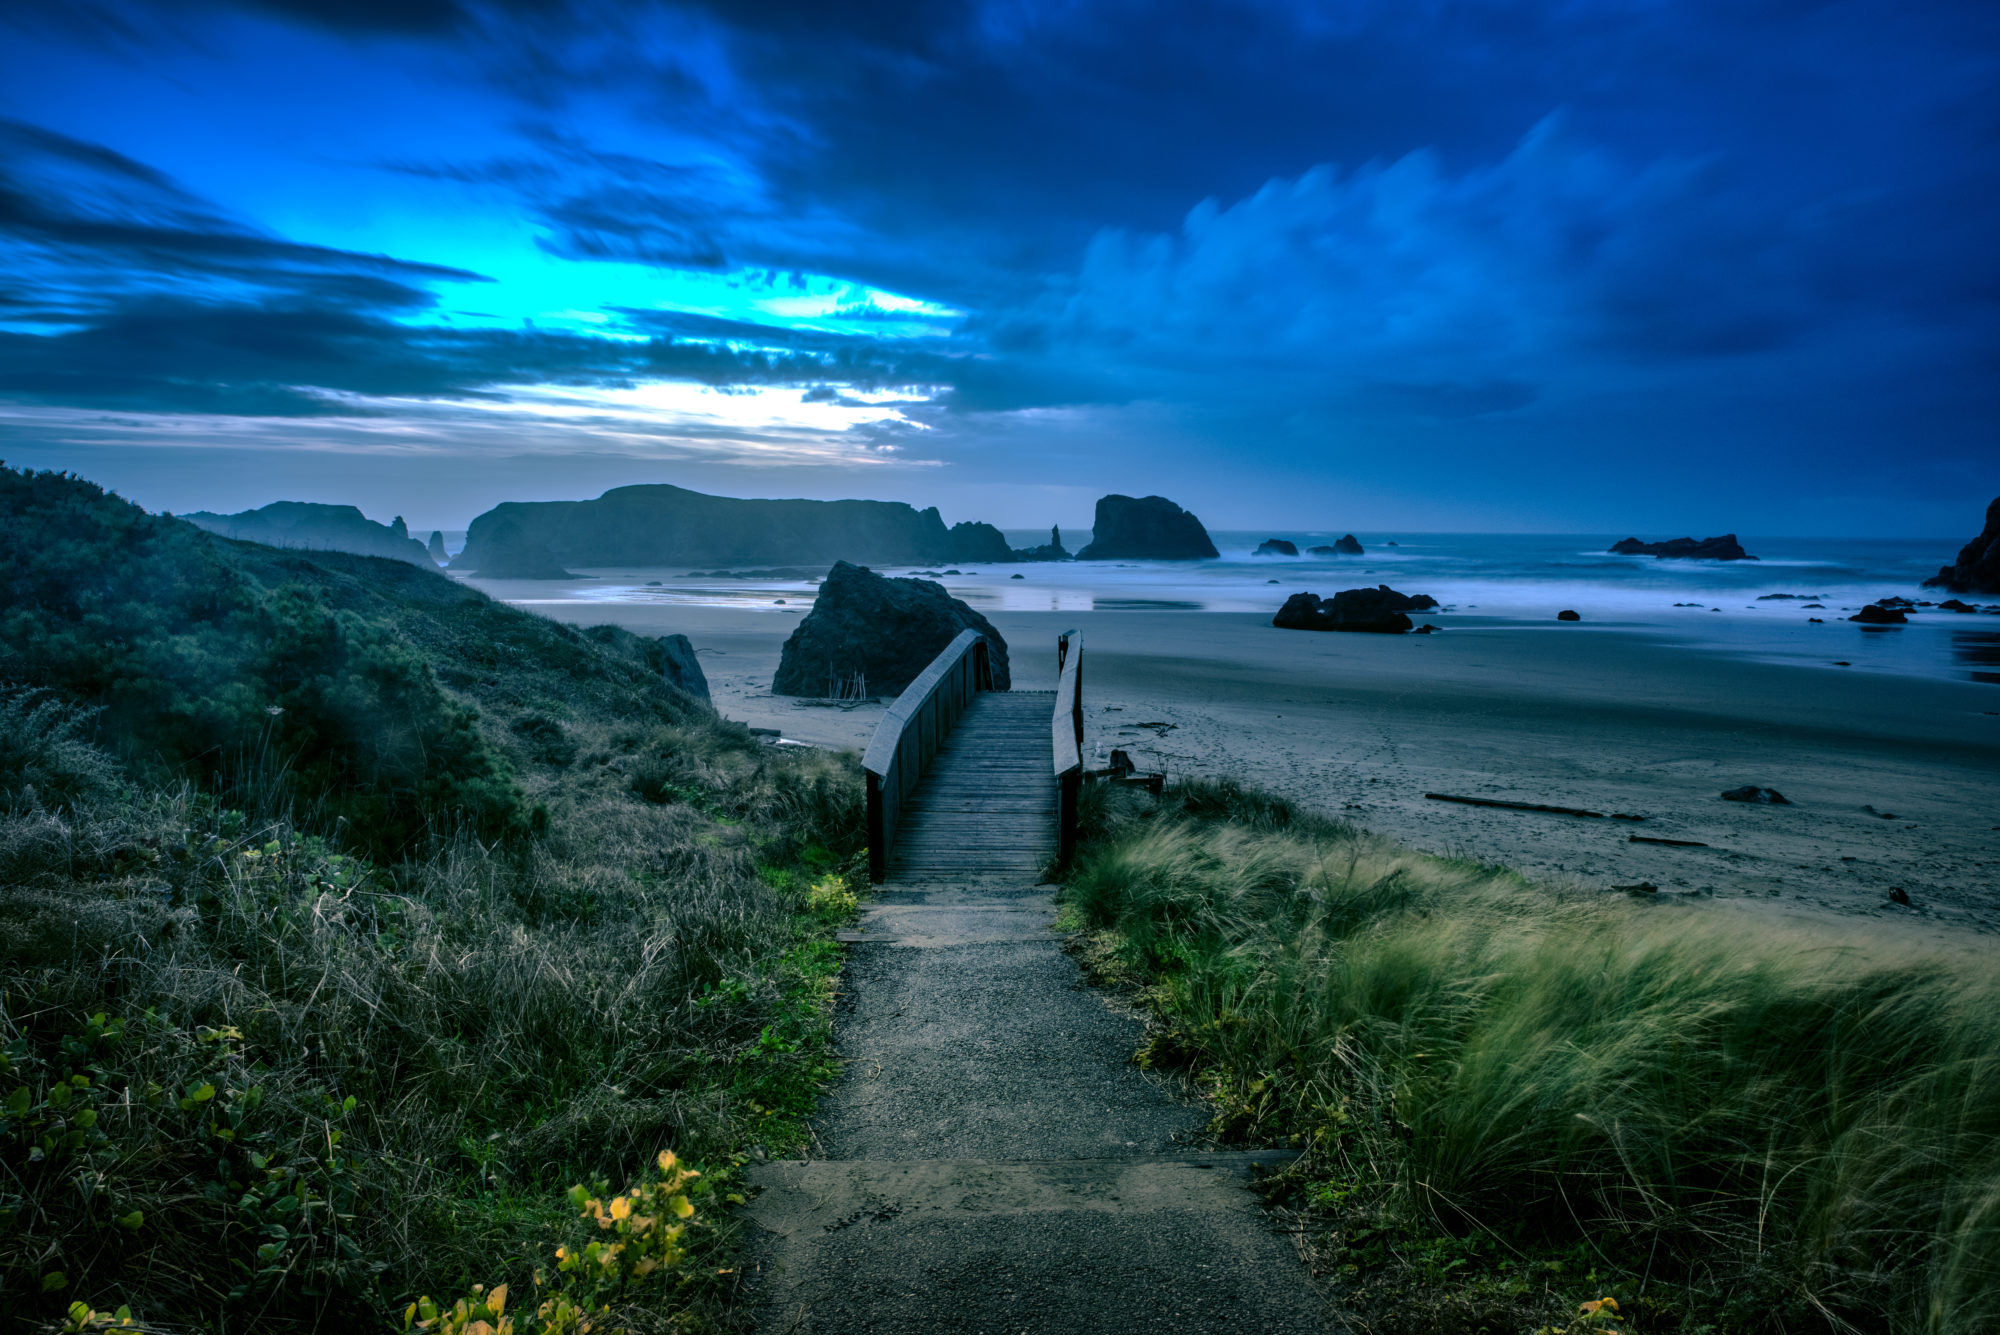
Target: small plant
x=644, y=1228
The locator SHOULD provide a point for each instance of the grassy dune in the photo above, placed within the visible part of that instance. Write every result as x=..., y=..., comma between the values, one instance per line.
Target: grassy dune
x=1513, y=1100
x=318, y=988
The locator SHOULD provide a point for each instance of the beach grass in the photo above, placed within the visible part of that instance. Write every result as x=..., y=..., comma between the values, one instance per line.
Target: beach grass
x=1513, y=1099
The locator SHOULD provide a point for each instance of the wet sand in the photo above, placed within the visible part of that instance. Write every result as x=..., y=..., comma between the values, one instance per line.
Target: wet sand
x=1361, y=727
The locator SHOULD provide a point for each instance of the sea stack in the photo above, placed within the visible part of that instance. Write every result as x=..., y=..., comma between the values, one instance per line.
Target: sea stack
x=1724, y=548
x=1977, y=569
x=883, y=631
x=436, y=548
x=1276, y=547
x=1149, y=529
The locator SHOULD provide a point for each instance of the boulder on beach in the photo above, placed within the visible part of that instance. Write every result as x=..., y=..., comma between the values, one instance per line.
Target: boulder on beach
x=1152, y=528
x=1977, y=569
x=1381, y=610
x=1877, y=615
x=1276, y=547
x=1724, y=548
x=1750, y=792
x=886, y=630
x=1568, y=615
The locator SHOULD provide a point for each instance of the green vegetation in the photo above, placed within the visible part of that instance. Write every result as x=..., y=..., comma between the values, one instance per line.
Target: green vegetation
x=1513, y=1100
x=348, y=918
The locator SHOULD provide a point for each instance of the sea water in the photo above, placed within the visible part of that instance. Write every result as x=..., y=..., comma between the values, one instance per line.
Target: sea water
x=1489, y=582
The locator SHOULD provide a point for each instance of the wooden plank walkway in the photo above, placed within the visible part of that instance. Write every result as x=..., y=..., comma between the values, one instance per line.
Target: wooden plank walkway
x=987, y=806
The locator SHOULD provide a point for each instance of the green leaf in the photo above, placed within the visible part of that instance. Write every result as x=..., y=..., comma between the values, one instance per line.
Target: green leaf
x=201, y=1093
x=54, y=1280
x=132, y=1221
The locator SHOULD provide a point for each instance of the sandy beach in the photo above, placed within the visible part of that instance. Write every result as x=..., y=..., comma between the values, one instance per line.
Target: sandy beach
x=1593, y=716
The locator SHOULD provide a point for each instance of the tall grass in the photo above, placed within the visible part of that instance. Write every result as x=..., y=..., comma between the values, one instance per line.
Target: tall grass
x=253, y=1082
x=1752, y=1124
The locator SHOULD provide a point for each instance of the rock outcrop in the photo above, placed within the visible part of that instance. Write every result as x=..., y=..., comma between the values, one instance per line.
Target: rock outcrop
x=1877, y=615
x=1276, y=547
x=511, y=553
x=1348, y=545
x=1380, y=609
x=321, y=528
x=679, y=665
x=975, y=541
x=886, y=630
x=436, y=548
x=1148, y=529
x=663, y=525
x=1569, y=614
x=1724, y=548
x=1977, y=569
x=1052, y=550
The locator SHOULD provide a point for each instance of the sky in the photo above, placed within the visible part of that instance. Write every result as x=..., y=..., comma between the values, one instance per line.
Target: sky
x=1628, y=266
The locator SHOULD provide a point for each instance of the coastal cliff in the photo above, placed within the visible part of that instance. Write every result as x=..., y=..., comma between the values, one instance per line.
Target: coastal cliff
x=319, y=528
x=1151, y=529
x=1977, y=569
x=660, y=525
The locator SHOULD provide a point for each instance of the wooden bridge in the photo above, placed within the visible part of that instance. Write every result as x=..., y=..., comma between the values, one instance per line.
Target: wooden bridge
x=966, y=782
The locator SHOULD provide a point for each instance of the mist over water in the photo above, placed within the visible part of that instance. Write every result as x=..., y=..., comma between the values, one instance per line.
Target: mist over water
x=1490, y=583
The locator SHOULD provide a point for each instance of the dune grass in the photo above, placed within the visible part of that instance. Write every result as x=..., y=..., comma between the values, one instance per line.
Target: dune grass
x=1513, y=1099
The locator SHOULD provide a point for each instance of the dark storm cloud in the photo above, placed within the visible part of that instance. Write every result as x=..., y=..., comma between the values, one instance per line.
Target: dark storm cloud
x=99, y=226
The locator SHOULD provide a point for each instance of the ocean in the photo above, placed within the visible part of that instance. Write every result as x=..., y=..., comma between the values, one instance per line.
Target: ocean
x=1488, y=582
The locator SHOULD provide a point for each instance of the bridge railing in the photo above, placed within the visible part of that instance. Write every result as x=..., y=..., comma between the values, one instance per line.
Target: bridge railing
x=1066, y=733
x=910, y=733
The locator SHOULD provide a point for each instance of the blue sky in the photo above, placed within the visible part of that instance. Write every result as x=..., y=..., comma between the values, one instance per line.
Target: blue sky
x=1601, y=265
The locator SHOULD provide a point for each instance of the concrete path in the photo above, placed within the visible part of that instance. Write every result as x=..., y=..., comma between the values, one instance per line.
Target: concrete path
x=992, y=1159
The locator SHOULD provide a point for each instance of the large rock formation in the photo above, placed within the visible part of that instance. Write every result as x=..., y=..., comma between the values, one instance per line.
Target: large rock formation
x=1380, y=609
x=512, y=554
x=973, y=541
x=1151, y=529
x=322, y=528
x=886, y=629
x=1276, y=547
x=664, y=525
x=1977, y=569
x=1724, y=548
x=436, y=548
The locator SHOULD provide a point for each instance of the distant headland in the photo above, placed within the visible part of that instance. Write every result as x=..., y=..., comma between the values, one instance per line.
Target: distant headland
x=321, y=528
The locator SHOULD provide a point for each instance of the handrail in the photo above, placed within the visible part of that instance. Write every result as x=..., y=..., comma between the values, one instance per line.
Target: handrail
x=1066, y=736
x=910, y=733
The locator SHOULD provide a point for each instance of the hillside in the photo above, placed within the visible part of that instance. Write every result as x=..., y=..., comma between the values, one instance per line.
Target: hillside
x=348, y=916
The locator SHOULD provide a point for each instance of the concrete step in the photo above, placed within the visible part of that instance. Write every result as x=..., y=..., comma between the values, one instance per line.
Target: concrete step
x=1156, y=1243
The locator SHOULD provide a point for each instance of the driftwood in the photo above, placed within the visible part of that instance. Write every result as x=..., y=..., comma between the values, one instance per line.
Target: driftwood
x=1528, y=806
x=1671, y=843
